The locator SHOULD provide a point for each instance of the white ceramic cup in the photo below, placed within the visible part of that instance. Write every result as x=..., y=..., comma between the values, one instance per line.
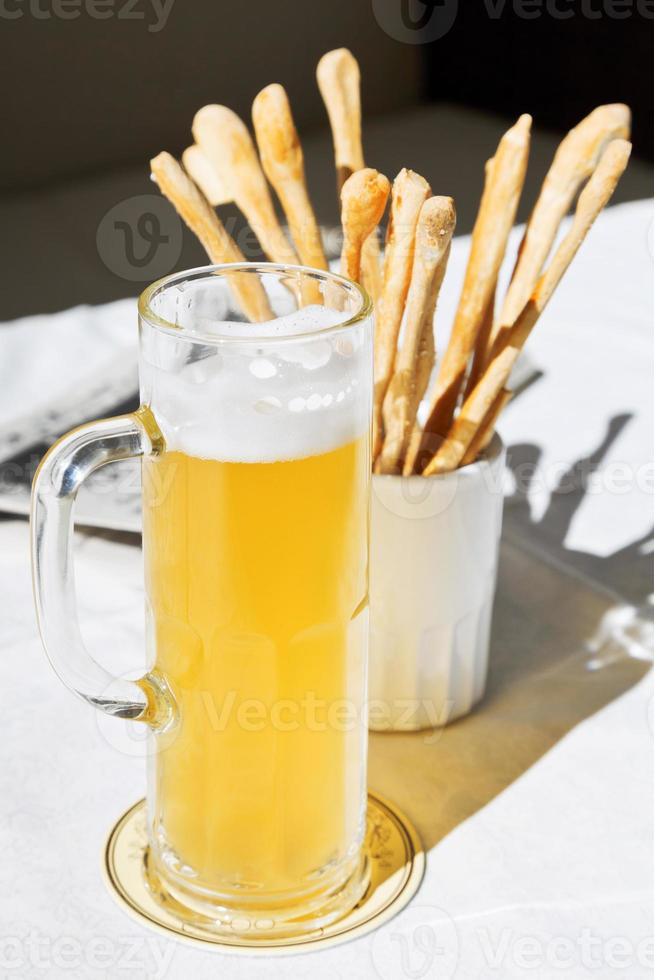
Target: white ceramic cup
x=433, y=566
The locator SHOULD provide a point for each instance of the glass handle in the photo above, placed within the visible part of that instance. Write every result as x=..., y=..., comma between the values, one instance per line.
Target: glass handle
x=63, y=469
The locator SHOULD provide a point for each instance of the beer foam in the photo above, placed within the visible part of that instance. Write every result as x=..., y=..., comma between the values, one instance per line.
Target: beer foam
x=270, y=400
x=308, y=319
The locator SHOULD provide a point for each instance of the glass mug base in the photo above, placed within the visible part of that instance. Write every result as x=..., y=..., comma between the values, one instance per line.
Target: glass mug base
x=255, y=919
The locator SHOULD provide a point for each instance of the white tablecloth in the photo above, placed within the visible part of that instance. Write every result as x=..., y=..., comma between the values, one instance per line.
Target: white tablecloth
x=553, y=877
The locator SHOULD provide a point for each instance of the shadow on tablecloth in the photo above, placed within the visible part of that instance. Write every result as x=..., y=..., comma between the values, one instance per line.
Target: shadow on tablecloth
x=571, y=633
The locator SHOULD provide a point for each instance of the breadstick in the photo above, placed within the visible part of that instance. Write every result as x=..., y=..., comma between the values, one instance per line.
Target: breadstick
x=408, y=195
x=283, y=163
x=363, y=200
x=415, y=442
x=200, y=170
x=200, y=217
x=573, y=163
x=422, y=372
x=339, y=81
x=415, y=360
x=370, y=259
x=480, y=350
x=592, y=199
x=486, y=430
x=225, y=141
x=494, y=222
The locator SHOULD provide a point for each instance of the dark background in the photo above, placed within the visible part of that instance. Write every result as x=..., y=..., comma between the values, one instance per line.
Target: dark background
x=87, y=102
x=555, y=69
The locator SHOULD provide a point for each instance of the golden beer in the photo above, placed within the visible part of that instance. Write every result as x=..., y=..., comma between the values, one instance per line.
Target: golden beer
x=256, y=577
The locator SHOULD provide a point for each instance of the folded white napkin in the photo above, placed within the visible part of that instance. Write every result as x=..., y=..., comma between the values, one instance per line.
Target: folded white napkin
x=58, y=369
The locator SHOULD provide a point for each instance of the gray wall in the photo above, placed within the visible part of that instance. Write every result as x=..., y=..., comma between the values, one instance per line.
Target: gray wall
x=86, y=94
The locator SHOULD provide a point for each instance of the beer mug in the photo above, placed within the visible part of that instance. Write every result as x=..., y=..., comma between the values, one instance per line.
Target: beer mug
x=254, y=440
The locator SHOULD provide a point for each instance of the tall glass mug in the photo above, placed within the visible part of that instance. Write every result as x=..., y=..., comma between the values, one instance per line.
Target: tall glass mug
x=254, y=437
